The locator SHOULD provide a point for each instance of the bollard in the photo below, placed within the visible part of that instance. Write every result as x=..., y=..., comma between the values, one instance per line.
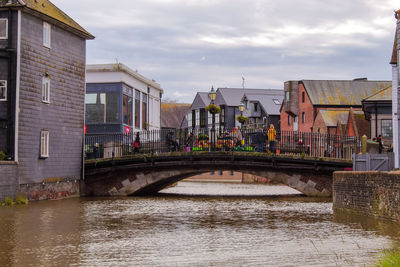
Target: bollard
x=364, y=144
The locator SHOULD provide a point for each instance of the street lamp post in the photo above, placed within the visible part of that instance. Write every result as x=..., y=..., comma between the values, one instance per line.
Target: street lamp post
x=212, y=94
x=241, y=109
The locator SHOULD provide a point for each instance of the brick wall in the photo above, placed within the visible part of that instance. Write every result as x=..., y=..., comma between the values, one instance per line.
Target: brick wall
x=64, y=116
x=284, y=121
x=307, y=108
x=8, y=179
x=319, y=124
x=372, y=193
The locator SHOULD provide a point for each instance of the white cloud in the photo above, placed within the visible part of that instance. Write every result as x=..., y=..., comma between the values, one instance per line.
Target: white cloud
x=187, y=45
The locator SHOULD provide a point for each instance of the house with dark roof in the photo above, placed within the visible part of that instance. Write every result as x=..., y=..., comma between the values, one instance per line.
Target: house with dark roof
x=228, y=99
x=307, y=100
x=263, y=108
x=42, y=99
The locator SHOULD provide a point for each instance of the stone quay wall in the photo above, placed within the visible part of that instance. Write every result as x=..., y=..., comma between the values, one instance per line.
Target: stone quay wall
x=372, y=193
x=49, y=189
x=9, y=184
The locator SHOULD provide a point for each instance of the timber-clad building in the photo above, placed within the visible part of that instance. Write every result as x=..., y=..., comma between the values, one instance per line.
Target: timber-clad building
x=42, y=96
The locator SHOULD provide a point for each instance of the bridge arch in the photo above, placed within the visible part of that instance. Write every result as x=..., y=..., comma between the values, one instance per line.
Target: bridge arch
x=148, y=175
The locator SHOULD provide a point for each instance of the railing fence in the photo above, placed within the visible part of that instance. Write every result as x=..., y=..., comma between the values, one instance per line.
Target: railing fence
x=248, y=140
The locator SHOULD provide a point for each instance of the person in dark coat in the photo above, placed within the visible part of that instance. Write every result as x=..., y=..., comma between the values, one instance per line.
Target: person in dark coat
x=171, y=143
x=136, y=144
x=380, y=144
x=260, y=140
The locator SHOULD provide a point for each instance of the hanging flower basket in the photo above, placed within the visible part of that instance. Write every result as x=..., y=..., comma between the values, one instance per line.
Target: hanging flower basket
x=203, y=137
x=213, y=109
x=242, y=119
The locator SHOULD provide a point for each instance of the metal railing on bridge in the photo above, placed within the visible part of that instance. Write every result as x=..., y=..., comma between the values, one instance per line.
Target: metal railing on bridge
x=245, y=140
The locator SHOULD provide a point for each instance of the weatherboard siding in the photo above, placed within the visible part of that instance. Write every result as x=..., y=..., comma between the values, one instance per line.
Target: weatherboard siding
x=64, y=116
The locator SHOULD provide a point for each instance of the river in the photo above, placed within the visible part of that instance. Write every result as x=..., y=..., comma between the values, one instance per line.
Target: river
x=192, y=224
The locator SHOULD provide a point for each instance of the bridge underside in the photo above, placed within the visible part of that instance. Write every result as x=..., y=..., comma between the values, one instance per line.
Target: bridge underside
x=124, y=178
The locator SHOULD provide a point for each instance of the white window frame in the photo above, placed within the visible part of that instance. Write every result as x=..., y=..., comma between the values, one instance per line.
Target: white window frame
x=6, y=36
x=189, y=119
x=46, y=90
x=44, y=144
x=3, y=84
x=46, y=34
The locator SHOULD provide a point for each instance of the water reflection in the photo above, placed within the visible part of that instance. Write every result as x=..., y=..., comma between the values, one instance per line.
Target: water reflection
x=170, y=230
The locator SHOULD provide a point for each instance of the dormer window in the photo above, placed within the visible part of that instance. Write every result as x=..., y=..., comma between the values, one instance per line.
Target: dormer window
x=46, y=34
x=3, y=29
x=276, y=101
x=255, y=107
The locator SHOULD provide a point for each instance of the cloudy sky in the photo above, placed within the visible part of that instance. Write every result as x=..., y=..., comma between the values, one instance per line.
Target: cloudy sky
x=189, y=45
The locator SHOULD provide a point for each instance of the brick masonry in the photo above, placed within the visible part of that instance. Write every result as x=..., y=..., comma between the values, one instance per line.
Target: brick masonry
x=371, y=193
x=9, y=184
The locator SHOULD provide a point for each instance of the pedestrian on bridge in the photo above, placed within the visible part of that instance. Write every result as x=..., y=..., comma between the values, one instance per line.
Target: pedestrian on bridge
x=237, y=137
x=136, y=144
x=260, y=140
x=271, y=137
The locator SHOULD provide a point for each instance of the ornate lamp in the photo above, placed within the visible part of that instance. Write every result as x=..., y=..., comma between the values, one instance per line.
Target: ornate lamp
x=212, y=94
x=241, y=107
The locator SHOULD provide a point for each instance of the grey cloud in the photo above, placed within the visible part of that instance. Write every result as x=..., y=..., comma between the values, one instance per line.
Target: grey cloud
x=266, y=41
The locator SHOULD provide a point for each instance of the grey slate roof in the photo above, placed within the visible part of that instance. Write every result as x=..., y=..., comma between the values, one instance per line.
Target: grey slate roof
x=201, y=100
x=331, y=92
x=267, y=101
x=233, y=96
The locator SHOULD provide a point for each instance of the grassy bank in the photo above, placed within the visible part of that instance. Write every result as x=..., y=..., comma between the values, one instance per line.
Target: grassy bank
x=390, y=258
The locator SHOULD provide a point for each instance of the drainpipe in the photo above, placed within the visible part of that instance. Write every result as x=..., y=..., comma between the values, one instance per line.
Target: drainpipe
x=10, y=120
x=17, y=86
x=395, y=115
x=376, y=120
x=395, y=99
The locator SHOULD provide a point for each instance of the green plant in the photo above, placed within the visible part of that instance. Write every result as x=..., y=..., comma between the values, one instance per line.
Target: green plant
x=241, y=119
x=390, y=258
x=213, y=109
x=21, y=200
x=303, y=154
x=2, y=155
x=203, y=137
x=8, y=201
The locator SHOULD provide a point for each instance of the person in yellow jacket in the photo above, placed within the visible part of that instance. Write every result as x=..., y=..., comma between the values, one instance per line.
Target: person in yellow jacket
x=271, y=137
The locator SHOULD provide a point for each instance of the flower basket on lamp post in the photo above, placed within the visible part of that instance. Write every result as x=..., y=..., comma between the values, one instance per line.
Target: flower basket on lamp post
x=213, y=109
x=242, y=119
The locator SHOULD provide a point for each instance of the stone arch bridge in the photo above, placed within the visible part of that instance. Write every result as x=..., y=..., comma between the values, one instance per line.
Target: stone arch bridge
x=148, y=174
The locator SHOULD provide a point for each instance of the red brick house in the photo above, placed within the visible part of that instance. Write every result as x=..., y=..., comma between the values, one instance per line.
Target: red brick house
x=320, y=105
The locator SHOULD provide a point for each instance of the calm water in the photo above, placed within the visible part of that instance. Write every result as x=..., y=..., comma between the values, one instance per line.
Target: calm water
x=179, y=230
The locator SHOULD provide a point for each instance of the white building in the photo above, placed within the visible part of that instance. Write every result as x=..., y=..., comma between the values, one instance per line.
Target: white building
x=120, y=100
